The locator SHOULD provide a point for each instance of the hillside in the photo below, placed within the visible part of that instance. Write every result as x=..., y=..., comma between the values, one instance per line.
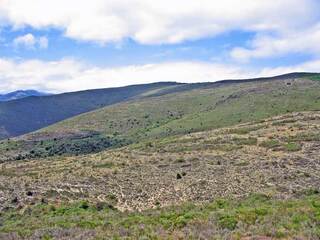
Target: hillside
x=197, y=109
x=163, y=120
x=253, y=179
x=190, y=108
x=29, y=114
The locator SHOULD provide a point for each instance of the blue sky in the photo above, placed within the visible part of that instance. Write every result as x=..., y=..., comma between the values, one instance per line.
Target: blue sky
x=57, y=46
x=124, y=52
x=127, y=51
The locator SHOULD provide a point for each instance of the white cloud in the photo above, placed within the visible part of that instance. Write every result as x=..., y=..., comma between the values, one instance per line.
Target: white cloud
x=71, y=75
x=310, y=66
x=156, y=22
x=43, y=42
x=263, y=46
x=29, y=41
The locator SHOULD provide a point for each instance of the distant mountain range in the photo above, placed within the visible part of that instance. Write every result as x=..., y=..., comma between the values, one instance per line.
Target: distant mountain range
x=21, y=94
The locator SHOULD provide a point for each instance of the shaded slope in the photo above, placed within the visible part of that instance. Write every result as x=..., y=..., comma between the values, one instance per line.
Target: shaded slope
x=32, y=113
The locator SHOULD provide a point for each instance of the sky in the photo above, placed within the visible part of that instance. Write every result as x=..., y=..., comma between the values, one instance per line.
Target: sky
x=70, y=45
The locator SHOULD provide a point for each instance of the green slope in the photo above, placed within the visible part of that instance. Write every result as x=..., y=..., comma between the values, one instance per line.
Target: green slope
x=196, y=110
x=189, y=108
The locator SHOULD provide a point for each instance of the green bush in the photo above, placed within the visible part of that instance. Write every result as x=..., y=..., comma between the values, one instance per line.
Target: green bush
x=293, y=147
x=228, y=222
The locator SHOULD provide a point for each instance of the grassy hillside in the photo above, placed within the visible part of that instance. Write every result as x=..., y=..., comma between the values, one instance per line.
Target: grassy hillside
x=29, y=114
x=198, y=109
x=158, y=114
x=253, y=179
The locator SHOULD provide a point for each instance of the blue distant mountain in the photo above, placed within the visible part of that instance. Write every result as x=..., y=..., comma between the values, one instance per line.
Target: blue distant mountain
x=20, y=94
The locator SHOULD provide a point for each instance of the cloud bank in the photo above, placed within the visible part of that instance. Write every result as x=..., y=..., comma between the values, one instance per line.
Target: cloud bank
x=72, y=75
x=264, y=46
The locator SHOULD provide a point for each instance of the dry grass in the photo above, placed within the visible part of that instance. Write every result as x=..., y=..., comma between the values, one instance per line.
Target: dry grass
x=210, y=165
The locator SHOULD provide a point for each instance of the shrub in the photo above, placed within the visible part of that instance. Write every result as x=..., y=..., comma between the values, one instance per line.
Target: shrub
x=227, y=222
x=292, y=147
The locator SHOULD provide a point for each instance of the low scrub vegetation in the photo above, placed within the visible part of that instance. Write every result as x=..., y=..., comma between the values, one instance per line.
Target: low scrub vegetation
x=257, y=215
x=198, y=185
x=67, y=146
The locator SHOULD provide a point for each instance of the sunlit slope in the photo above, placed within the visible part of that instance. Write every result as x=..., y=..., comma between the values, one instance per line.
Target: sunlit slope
x=196, y=110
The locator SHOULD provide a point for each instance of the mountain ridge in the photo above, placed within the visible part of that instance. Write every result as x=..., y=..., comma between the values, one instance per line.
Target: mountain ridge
x=20, y=94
